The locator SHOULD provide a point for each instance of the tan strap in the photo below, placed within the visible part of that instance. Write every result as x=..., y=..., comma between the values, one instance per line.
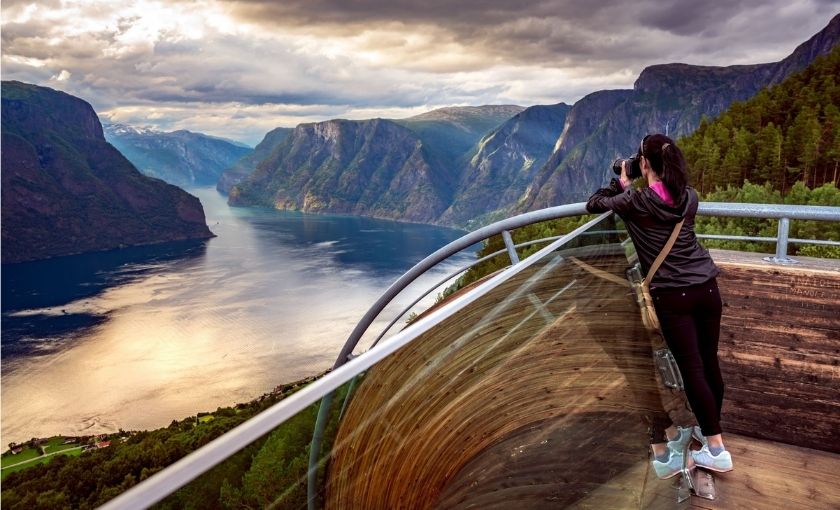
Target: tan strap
x=600, y=273
x=664, y=253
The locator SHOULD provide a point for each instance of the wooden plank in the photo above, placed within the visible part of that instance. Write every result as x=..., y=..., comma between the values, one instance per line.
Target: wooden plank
x=780, y=351
x=771, y=475
x=437, y=424
x=470, y=388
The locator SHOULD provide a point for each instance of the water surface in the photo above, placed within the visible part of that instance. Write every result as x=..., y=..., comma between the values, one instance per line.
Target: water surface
x=138, y=337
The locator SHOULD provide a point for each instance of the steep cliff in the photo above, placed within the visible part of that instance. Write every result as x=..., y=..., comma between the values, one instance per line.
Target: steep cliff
x=66, y=190
x=670, y=98
x=181, y=157
x=503, y=163
x=245, y=165
x=374, y=168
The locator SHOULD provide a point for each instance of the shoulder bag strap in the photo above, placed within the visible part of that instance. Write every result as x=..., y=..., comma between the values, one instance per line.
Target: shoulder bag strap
x=664, y=253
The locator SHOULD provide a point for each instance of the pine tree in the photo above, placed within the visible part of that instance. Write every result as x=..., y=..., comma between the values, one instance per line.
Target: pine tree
x=804, y=111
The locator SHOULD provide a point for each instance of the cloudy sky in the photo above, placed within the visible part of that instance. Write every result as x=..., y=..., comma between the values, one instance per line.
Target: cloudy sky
x=240, y=68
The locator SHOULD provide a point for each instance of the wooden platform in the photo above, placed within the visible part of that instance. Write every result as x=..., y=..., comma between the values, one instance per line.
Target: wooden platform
x=771, y=475
x=780, y=349
x=540, y=395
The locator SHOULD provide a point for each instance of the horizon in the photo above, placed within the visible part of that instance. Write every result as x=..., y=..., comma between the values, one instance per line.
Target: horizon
x=144, y=64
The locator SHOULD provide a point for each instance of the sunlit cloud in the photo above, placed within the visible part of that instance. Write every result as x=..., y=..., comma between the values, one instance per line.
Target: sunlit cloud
x=240, y=68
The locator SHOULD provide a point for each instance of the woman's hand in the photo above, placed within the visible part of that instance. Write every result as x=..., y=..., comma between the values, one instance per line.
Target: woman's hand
x=625, y=181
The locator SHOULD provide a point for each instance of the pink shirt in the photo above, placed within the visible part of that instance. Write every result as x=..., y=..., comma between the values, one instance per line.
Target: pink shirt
x=662, y=191
x=658, y=188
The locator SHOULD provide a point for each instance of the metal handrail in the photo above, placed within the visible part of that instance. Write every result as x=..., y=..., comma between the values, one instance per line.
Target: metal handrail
x=164, y=483
x=784, y=213
x=196, y=463
x=715, y=209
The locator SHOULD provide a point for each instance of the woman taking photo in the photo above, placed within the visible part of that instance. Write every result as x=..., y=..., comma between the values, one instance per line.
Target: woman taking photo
x=684, y=290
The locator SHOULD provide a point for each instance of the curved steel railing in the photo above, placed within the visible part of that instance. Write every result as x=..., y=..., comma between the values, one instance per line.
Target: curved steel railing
x=164, y=483
x=188, y=468
x=444, y=253
x=784, y=213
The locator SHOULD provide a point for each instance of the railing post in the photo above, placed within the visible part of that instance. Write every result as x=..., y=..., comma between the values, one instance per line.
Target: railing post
x=315, y=450
x=514, y=258
x=782, y=244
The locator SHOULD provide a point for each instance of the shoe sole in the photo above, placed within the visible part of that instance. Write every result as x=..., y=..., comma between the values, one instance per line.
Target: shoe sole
x=716, y=470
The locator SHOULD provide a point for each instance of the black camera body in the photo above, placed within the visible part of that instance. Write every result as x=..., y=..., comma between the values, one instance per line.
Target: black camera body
x=634, y=168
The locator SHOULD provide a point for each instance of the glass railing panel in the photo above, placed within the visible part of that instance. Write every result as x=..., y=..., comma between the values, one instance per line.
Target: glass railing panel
x=541, y=393
x=271, y=472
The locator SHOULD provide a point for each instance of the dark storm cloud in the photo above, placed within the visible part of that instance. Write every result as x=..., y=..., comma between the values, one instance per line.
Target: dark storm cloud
x=560, y=32
x=197, y=63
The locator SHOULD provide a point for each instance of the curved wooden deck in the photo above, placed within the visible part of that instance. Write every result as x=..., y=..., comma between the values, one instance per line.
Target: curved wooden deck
x=540, y=396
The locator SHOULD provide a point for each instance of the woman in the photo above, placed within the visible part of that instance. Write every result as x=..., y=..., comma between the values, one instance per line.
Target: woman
x=684, y=291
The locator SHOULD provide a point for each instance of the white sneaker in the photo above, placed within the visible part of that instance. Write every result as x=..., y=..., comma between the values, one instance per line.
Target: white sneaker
x=686, y=433
x=698, y=435
x=670, y=468
x=703, y=458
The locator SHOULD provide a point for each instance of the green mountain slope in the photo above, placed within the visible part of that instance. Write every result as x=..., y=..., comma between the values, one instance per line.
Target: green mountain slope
x=787, y=133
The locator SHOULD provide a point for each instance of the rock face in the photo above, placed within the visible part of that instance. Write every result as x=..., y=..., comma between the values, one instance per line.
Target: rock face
x=406, y=169
x=374, y=168
x=66, y=190
x=450, y=133
x=182, y=158
x=503, y=163
x=670, y=98
x=245, y=165
x=482, y=163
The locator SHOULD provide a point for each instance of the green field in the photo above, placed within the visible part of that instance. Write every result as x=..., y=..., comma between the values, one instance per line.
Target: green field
x=32, y=456
x=35, y=462
x=56, y=444
x=27, y=454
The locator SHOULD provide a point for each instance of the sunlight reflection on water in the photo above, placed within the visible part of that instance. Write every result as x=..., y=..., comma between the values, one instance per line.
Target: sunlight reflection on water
x=156, y=338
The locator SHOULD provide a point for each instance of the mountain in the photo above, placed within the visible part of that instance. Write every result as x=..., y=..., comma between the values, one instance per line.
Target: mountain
x=451, y=132
x=486, y=162
x=503, y=163
x=66, y=190
x=245, y=165
x=405, y=169
x=786, y=133
x=670, y=98
x=181, y=157
x=373, y=168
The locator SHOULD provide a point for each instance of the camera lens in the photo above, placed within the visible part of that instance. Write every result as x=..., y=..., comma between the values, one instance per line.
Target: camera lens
x=616, y=167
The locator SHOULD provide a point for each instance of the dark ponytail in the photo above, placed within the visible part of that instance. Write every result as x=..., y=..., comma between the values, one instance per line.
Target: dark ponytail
x=668, y=162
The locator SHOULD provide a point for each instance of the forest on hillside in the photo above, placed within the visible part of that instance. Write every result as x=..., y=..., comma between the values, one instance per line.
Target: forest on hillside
x=785, y=134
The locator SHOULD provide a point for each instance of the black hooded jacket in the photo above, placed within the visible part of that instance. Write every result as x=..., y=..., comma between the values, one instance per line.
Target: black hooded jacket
x=649, y=222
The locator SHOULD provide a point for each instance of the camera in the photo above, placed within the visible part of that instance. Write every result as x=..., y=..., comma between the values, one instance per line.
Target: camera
x=634, y=169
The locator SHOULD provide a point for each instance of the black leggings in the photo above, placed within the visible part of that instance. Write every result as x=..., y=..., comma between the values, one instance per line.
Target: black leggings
x=690, y=319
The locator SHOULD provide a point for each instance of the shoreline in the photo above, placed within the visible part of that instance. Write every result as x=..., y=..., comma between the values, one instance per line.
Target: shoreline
x=283, y=390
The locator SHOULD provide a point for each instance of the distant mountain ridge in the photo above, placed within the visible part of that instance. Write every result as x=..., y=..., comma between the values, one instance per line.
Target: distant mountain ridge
x=477, y=171
x=347, y=170
x=179, y=157
x=245, y=165
x=451, y=132
x=65, y=190
x=669, y=98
